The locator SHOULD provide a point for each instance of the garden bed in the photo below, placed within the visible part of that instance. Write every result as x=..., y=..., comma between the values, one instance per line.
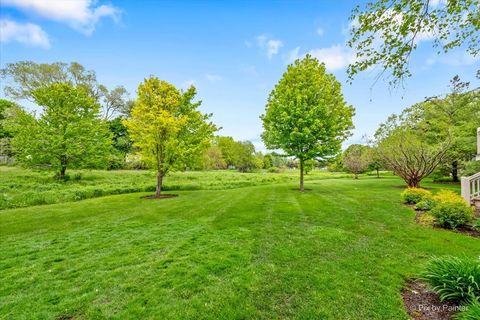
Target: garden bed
x=423, y=304
x=463, y=230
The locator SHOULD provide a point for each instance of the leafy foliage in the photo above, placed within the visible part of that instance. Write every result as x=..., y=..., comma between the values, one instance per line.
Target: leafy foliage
x=356, y=159
x=68, y=133
x=386, y=32
x=167, y=128
x=4, y=106
x=455, y=116
x=453, y=214
x=471, y=168
x=415, y=195
x=454, y=279
x=427, y=219
x=472, y=312
x=405, y=152
x=448, y=196
x=425, y=204
x=306, y=114
x=122, y=143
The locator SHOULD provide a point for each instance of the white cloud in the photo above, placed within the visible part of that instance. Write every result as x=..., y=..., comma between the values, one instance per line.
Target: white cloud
x=213, y=77
x=320, y=32
x=271, y=46
x=335, y=57
x=26, y=33
x=81, y=15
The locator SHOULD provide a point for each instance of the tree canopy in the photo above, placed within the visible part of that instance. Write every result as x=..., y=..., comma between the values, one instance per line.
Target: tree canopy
x=454, y=117
x=167, y=128
x=306, y=114
x=385, y=33
x=356, y=159
x=68, y=132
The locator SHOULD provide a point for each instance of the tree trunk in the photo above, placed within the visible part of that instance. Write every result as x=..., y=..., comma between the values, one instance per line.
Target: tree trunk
x=355, y=176
x=63, y=169
x=378, y=173
x=301, y=176
x=413, y=183
x=454, y=171
x=159, y=184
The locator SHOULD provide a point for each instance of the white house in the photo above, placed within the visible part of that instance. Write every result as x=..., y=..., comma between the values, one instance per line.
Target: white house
x=471, y=185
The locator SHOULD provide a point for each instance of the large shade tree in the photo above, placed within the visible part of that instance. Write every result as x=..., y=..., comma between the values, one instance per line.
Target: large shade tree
x=167, y=127
x=306, y=114
x=68, y=133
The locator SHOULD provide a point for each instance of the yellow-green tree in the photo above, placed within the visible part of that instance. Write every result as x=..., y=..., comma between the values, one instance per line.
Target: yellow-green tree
x=167, y=128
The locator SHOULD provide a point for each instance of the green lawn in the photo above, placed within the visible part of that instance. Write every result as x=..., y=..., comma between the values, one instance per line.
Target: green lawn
x=24, y=188
x=340, y=251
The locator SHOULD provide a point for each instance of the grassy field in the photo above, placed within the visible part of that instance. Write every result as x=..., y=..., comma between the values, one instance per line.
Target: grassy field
x=24, y=188
x=339, y=251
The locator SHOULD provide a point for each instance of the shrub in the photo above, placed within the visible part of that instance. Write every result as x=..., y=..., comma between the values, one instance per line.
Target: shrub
x=476, y=224
x=415, y=195
x=427, y=219
x=454, y=279
x=274, y=170
x=471, y=167
x=472, y=312
x=448, y=196
x=426, y=204
x=452, y=215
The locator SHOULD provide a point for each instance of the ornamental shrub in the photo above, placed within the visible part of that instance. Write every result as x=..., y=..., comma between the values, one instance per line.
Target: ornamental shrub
x=415, y=195
x=454, y=279
x=452, y=215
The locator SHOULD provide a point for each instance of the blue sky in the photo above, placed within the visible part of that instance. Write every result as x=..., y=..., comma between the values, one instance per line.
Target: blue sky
x=233, y=51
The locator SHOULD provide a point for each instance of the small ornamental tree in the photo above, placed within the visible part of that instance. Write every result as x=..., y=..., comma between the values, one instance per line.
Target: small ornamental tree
x=68, y=133
x=355, y=159
x=167, y=128
x=409, y=156
x=306, y=114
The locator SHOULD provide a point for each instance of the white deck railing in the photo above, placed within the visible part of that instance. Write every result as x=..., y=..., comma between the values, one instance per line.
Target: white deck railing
x=471, y=187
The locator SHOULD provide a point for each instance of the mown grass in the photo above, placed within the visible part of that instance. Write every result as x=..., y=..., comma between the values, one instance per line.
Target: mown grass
x=339, y=251
x=23, y=188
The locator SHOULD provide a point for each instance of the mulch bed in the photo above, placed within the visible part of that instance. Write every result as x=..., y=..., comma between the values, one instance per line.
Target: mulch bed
x=162, y=196
x=423, y=304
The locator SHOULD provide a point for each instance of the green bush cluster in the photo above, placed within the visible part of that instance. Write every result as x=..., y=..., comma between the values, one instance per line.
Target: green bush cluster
x=472, y=312
x=457, y=280
x=425, y=204
x=452, y=215
x=446, y=209
x=415, y=195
